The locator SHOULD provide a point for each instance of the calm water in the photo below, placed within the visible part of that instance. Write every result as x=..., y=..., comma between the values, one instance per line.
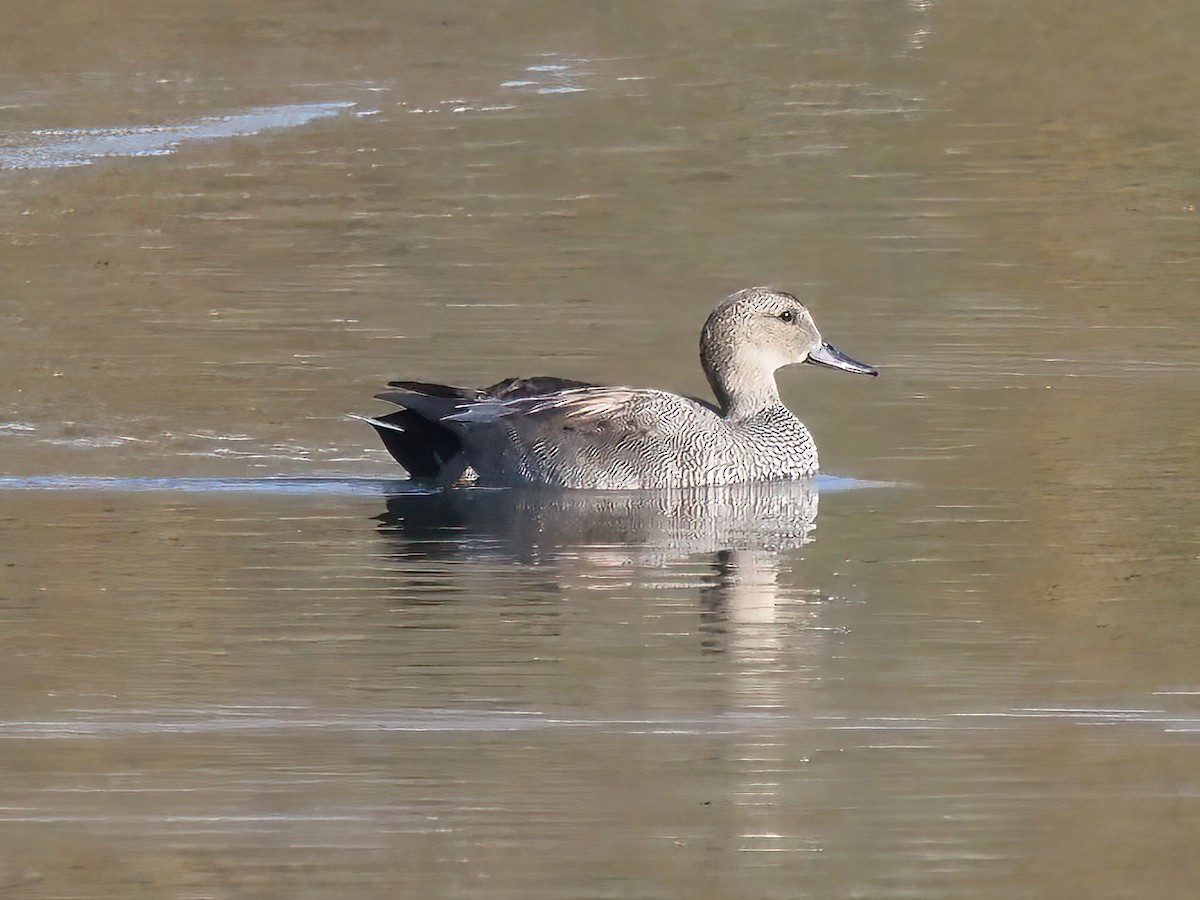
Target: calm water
x=241, y=658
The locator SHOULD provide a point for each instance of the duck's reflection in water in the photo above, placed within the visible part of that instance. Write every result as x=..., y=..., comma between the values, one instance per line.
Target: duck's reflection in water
x=742, y=531
x=725, y=547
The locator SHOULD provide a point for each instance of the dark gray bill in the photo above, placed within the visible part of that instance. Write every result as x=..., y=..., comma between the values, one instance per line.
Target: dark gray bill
x=829, y=355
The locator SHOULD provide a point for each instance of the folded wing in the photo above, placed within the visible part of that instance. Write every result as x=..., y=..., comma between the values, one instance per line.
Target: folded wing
x=602, y=437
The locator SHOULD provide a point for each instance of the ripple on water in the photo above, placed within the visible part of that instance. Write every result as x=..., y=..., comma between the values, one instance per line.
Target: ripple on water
x=66, y=147
x=333, y=484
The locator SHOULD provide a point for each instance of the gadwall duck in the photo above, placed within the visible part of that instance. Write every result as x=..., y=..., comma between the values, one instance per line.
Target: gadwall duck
x=570, y=434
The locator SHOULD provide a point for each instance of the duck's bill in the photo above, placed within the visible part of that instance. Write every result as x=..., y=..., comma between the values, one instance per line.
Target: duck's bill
x=828, y=355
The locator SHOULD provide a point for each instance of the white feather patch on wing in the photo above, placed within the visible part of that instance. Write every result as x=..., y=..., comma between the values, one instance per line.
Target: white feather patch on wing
x=481, y=411
x=586, y=403
x=376, y=422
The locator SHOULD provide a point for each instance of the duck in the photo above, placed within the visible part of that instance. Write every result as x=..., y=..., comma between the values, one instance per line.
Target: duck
x=552, y=432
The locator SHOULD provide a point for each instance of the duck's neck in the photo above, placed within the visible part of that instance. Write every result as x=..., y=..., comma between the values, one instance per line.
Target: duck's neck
x=743, y=388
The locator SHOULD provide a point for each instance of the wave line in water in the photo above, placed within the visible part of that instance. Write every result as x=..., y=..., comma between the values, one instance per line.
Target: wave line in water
x=63, y=148
x=276, y=485
x=331, y=484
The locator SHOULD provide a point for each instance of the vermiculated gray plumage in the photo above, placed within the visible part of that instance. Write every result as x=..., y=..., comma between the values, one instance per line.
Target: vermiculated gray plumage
x=570, y=434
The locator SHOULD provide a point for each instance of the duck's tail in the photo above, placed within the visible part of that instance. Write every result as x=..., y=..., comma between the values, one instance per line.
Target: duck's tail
x=426, y=449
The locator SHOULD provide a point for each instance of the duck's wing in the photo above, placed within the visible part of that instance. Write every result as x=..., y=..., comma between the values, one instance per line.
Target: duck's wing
x=606, y=437
x=642, y=409
x=535, y=386
x=442, y=399
x=414, y=434
x=432, y=401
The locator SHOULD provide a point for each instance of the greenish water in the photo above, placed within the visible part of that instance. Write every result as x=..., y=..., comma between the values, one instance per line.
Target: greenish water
x=242, y=657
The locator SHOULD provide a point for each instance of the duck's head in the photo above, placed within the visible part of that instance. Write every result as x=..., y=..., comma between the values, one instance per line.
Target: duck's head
x=754, y=332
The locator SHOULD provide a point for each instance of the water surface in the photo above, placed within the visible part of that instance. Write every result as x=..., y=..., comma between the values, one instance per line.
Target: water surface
x=241, y=657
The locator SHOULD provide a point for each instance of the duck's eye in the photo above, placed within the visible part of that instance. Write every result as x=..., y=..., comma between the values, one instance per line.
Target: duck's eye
x=787, y=316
